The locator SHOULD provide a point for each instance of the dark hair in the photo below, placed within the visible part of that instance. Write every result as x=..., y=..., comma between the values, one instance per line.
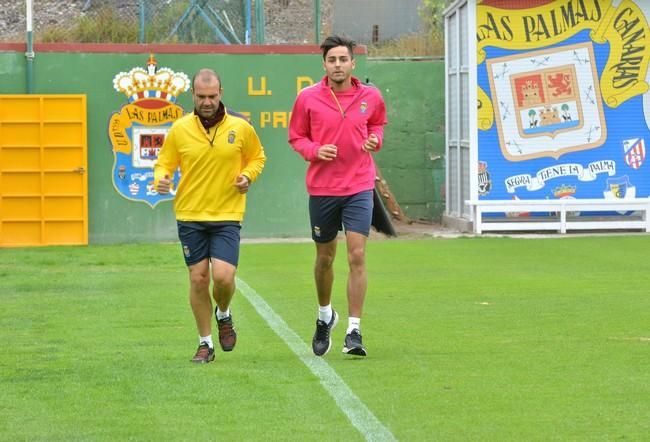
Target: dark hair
x=206, y=73
x=333, y=41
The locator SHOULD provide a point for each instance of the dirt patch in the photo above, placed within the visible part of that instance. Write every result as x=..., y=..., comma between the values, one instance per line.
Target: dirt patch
x=417, y=230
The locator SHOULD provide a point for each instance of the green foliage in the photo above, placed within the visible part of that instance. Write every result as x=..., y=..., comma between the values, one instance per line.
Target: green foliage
x=193, y=29
x=159, y=25
x=106, y=26
x=410, y=45
x=430, y=42
x=53, y=35
x=431, y=14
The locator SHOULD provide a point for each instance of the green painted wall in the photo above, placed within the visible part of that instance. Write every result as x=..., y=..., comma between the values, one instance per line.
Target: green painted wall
x=277, y=204
x=412, y=159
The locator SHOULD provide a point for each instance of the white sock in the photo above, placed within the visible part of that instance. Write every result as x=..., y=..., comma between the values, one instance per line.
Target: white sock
x=221, y=315
x=353, y=323
x=325, y=313
x=206, y=340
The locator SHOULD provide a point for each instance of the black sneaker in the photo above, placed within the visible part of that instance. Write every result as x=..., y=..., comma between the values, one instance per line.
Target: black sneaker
x=353, y=345
x=322, y=341
x=204, y=354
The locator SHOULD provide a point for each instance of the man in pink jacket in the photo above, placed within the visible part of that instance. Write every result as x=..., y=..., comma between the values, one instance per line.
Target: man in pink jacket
x=336, y=125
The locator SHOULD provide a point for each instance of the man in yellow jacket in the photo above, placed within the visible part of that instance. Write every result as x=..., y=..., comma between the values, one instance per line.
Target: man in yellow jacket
x=219, y=155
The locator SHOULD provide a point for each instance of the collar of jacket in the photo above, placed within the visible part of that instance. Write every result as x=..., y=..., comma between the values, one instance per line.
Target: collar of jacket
x=211, y=122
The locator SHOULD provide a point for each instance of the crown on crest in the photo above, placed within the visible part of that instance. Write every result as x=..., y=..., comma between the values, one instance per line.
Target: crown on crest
x=530, y=87
x=564, y=190
x=138, y=83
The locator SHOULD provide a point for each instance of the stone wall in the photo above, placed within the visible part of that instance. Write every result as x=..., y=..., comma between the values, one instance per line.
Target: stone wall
x=292, y=21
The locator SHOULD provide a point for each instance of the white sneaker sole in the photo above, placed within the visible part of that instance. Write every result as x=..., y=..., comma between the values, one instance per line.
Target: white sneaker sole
x=356, y=351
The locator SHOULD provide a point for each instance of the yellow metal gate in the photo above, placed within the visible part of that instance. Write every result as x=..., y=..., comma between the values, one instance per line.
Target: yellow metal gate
x=43, y=164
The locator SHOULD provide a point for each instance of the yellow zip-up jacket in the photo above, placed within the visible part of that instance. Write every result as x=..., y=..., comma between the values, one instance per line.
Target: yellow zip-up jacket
x=209, y=165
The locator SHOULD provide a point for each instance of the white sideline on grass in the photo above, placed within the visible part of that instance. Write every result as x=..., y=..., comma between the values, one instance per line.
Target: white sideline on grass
x=360, y=416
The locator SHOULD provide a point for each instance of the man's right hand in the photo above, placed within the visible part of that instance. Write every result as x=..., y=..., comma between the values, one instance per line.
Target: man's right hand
x=164, y=185
x=327, y=152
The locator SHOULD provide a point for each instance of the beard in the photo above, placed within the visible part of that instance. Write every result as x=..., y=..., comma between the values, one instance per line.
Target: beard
x=209, y=118
x=207, y=112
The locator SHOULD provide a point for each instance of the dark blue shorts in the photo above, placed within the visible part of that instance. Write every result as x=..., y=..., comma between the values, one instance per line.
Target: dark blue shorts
x=329, y=214
x=203, y=239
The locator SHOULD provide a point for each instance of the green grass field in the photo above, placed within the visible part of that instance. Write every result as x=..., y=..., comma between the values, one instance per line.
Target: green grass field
x=468, y=339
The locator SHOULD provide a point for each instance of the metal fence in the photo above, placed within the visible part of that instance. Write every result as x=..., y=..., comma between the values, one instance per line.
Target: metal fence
x=387, y=27
x=197, y=21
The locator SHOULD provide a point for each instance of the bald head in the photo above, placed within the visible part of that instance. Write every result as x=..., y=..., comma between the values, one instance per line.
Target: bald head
x=205, y=76
x=206, y=93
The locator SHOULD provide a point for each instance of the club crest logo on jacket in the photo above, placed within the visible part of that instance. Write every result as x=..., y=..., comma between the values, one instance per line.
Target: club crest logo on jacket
x=363, y=107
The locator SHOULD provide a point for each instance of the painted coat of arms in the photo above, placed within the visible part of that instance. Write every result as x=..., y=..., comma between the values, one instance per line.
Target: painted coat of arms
x=137, y=132
x=634, y=152
x=548, y=102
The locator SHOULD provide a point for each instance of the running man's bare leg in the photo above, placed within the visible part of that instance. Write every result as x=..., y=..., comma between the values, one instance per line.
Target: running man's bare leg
x=324, y=271
x=357, y=277
x=200, y=296
x=223, y=276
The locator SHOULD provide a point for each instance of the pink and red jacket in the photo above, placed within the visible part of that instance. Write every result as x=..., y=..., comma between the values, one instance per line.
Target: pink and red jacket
x=318, y=118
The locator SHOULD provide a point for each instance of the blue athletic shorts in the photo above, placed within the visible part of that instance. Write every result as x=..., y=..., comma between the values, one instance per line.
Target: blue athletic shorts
x=329, y=214
x=203, y=239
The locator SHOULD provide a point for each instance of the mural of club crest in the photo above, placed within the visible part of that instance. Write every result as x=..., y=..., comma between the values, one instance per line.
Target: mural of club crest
x=543, y=110
x=634, y=152
x=138, y=130
x=484, y=181
x=620, y=188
